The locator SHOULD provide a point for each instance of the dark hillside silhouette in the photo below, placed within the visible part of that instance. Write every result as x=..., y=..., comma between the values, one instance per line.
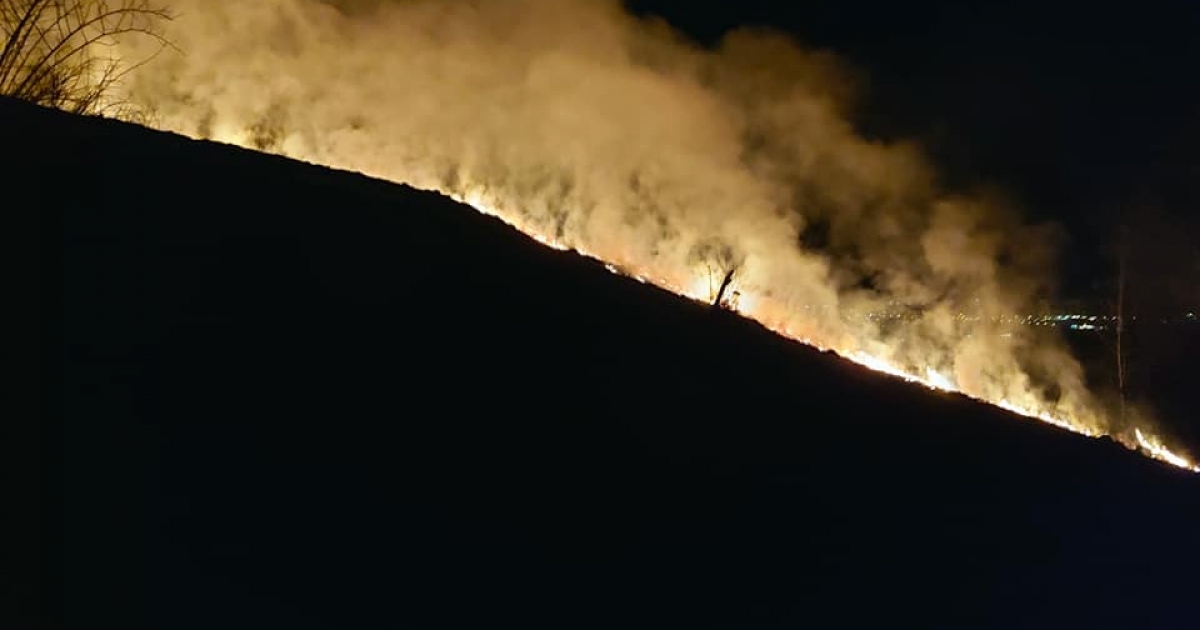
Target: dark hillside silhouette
x=294, y=397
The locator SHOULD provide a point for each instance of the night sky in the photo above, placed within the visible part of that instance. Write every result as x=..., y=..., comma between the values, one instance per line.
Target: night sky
x=1086, y=116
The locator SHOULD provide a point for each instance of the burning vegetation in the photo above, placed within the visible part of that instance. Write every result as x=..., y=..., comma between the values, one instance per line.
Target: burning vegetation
x=730, y=175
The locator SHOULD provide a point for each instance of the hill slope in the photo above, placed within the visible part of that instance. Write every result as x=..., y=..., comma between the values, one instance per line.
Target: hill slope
x=297, y=397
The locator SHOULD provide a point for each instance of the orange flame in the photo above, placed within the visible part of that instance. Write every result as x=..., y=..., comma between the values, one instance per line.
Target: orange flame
x=756, y=307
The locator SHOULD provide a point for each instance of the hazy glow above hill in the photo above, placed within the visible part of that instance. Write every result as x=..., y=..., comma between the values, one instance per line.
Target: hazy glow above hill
x=592, y=130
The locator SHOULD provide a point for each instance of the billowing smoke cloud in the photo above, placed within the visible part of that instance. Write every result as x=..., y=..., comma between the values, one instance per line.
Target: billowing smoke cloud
x=614, y=135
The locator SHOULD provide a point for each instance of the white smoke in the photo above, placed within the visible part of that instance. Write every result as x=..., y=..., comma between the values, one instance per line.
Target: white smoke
x=615, y=135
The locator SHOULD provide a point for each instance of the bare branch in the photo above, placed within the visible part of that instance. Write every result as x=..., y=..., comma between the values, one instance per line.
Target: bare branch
x=15, y=43
x=53, y=49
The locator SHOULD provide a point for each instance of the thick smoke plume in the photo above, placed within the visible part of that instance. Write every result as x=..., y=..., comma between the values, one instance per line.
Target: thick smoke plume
x=614, y=135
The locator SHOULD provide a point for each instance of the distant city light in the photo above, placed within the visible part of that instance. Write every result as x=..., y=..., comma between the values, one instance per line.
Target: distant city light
x=1070, y=321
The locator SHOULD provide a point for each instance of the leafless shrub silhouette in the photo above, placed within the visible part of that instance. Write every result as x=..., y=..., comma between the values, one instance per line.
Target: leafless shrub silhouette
x=721, y=263
x=59, y=53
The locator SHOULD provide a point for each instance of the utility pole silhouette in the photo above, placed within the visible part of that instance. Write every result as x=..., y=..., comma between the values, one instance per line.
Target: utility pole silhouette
x=1121, y=377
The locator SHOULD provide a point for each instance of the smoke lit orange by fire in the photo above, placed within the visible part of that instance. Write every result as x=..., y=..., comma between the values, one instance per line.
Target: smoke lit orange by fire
x=594, y=130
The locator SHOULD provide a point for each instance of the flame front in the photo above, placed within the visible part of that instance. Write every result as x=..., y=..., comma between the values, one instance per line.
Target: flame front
x=702, y=288
x=672, y=163
x=1154, y=447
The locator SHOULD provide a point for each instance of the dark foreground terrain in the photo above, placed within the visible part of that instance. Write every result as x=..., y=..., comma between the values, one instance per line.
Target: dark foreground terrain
x=288, y=397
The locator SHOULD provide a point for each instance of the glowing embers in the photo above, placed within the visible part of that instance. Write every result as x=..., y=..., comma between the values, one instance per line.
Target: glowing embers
x=881, y=365
x=1154, y=448
x=936, y=380
x=476, y=198
x=1030, y=412
x=932, y=378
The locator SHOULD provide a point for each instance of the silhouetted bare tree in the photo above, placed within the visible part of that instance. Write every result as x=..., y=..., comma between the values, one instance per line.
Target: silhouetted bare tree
x=59, y=53
x=720, y=262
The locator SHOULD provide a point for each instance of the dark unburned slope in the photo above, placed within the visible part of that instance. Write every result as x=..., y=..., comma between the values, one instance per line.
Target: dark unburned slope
x=295, y=397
